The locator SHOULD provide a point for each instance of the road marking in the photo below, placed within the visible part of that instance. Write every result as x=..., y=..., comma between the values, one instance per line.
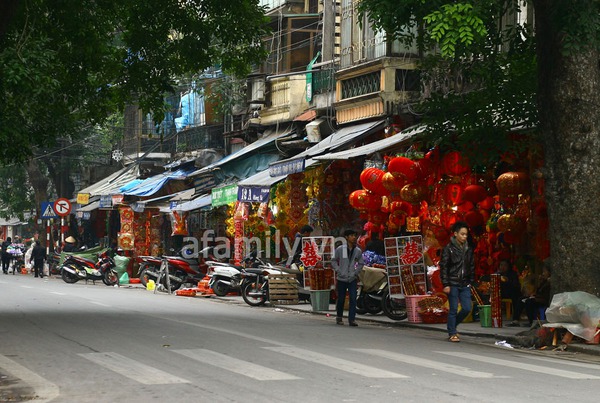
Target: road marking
x=45, y=390
x=423, y=362
x=132, y=369
x=26, y=286
x=519, y=365
x=337, y=363
x=236, y=365
x=57, y=293
x=98, y=303
x=567, y=362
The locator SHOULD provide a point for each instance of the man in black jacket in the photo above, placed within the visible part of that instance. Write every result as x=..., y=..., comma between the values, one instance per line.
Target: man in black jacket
x=38, y=256
x=457, y=269
x=5, y=255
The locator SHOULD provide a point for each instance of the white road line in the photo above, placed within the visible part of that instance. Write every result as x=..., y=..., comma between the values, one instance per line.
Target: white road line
x=45, y=390
x=567, y=362
x=98, y=303
x=337, y=363
x=519, y=365
x=57, y=293
x=133, y=369
x=26, y=286
x=236, y=365
x=423, y=362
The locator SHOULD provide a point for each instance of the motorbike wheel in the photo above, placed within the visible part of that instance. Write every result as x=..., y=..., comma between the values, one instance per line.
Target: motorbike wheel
x=360, y=305
x=111, y=277
x=144, y=276
x=254, y=294
x=372, y=306
x=220, y=289
x=393, y=308
x=175, y=285
x=69, y=278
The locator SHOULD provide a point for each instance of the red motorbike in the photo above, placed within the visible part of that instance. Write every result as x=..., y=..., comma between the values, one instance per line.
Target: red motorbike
x=77, y=268
x=181, y=270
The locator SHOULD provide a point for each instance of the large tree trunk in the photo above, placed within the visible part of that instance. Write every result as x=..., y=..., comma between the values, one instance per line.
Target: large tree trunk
x=569, y=101
x=39, y=183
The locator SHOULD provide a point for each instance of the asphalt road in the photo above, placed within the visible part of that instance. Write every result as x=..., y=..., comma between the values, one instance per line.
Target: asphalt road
x=92, y=343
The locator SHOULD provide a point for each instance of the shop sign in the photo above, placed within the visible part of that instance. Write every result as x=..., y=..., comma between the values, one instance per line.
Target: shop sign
x=83, y=198
x=83, y=215
x=204, y=183
x=106, y=201
x=287, y=167
x=224, y=195
x=138, y=207
x=117, y=199
x=253, y=194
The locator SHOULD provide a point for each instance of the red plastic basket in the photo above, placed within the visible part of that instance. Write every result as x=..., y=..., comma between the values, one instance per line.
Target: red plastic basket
x=434, y=317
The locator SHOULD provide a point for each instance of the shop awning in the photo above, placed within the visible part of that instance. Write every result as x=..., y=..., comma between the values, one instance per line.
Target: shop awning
x=376, y=146
x=269, y=138
x=90, y=206
x=112, y=183
x=195, y=204
x=150, y=186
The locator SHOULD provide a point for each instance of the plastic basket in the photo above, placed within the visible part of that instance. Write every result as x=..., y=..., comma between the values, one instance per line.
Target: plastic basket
x=319, y=300
x=485, y=315
x=412, y=308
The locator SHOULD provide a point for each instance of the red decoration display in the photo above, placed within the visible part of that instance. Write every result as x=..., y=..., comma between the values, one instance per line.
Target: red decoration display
x=364, y=200
x=453, y=163
x=404, y=168
x=474, y=193
x=512, y=184
x=371, y=179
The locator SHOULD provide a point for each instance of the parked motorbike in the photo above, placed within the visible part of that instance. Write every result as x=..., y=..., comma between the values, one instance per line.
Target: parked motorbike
x=181, y=270
x=255, y=284
x=226, y=277
x=76, y=268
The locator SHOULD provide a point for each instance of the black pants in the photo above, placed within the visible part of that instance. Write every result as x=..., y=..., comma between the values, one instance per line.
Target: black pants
x=38, y=268
x=5, y=263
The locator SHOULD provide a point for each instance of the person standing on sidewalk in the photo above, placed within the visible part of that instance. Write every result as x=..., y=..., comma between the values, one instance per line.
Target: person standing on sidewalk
x=38, y=256
x=347, y=262
x=457, y=269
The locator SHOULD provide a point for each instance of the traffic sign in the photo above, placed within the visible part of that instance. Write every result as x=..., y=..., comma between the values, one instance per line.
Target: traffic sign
x=62, y=207
x=48, y=210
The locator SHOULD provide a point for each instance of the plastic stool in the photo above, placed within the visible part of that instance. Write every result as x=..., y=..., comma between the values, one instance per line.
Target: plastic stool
x=507, y=307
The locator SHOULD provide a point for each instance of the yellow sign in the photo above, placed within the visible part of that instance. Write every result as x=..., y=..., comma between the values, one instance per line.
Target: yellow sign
x=83, y=198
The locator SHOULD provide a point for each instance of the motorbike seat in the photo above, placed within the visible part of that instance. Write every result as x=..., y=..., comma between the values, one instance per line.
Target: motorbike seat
x=254, y=271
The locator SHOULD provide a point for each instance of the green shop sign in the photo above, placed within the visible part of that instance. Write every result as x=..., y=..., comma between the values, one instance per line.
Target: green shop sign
x=224, y=195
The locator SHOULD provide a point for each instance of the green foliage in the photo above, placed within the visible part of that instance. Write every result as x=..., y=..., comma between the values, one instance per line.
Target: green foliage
x=64, y=63
x=15, y=196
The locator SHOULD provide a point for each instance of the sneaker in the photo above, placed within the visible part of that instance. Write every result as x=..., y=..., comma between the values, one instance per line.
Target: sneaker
x=514, y=323
x=353, y=324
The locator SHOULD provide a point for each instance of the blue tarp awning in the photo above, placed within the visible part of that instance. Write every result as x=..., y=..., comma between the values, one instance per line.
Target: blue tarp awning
x=153, y=184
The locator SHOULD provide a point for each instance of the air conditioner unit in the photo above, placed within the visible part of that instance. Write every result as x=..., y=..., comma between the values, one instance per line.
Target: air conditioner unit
x=257, y=90
x=317, y=130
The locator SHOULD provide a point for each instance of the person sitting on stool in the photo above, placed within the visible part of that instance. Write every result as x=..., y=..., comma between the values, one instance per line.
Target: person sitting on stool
x=510, y=288
x=541, y=297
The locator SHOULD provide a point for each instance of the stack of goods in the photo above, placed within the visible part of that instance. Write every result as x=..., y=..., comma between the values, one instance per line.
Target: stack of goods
x=495, y=300
x=432, y=310
x=320, y=278
x=408, y=281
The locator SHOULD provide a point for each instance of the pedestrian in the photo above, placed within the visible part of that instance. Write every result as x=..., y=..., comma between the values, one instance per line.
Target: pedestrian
x=347, y=262
x=457, y=267
x=38, y=256
x=510, y=288
x=296, y=253
x=69, y=245
x=5, y=255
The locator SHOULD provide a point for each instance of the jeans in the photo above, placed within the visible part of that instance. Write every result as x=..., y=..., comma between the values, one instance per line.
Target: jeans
x=342, y=287
x=462, y=295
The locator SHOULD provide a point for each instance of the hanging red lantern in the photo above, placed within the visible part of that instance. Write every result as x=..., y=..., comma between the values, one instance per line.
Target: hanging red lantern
x=364, y=200
x=448, y=218
x=371, y=178
x=425, y=169
x=413, y=193
x=474, y=219
x=454, y=163
x=487, y=203
x=378, y=217
x=465, y=207
x=474, y=193
x=453, y=193
x=403, y=168
x=391, y=182
x=512, y=184
x=401, y=208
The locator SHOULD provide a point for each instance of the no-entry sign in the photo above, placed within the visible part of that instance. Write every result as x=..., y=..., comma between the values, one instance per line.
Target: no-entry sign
x=62, y=207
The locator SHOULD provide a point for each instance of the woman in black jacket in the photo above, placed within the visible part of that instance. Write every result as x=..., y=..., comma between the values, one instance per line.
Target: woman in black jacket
x=457, y=270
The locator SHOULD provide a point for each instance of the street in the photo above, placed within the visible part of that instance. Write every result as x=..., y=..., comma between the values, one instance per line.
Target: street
x=93, y=343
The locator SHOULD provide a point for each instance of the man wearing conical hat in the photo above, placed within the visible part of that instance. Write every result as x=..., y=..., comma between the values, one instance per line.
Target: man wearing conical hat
x=69, y=245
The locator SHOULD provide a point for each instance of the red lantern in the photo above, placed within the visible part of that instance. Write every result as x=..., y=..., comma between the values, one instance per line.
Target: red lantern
x=474, y=193
x=453, y=193
x=371, y=178
x=449, y=217
x=487, y=203
x=364, y=200
x=474, y=219
x=401, y=208
x=377, y=217
x=404, y=168
x=392, y=183
x=465, y=207
x=453, y=163
x=510, y=223
x=424, y=168
x=512, y=184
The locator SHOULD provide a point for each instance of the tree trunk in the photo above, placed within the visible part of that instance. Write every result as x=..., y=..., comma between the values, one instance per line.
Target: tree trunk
x=39, y=183
x=569, y=98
